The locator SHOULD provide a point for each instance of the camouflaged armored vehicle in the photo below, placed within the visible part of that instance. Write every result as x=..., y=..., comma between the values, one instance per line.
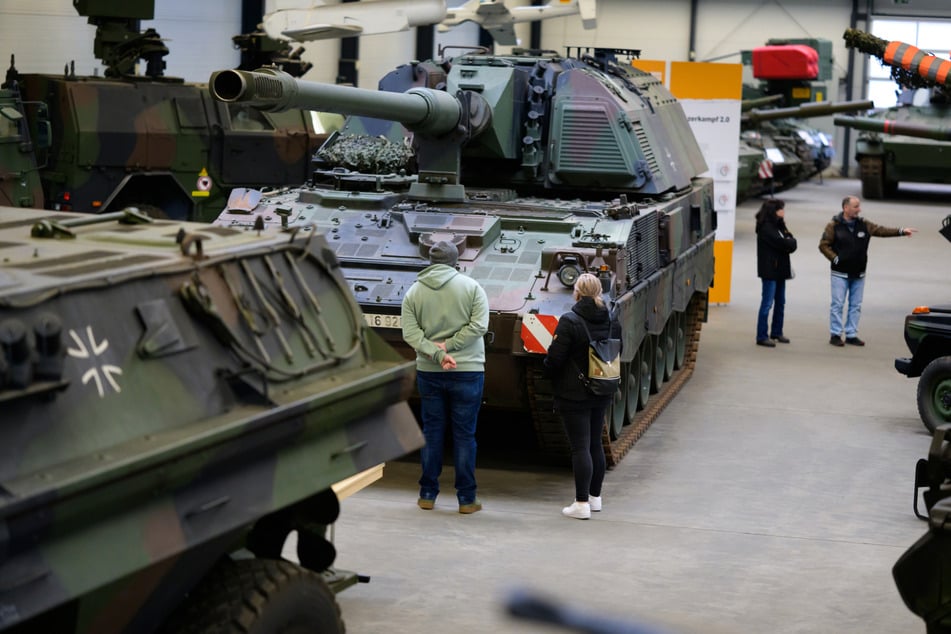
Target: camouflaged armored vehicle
x=539, y=167
x=905, y=143
x=175, y=398
x=149, y=140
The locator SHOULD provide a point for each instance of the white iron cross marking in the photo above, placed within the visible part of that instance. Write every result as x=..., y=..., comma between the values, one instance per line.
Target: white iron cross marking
x=96, y=372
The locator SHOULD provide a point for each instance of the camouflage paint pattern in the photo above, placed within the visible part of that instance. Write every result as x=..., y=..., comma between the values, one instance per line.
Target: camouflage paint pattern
x=164, y=387
x=160, y=144
x=568, y=164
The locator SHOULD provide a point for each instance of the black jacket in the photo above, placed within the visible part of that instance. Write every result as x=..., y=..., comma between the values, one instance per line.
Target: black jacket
x=568, y=353
x=774, y=243
x=847, y=249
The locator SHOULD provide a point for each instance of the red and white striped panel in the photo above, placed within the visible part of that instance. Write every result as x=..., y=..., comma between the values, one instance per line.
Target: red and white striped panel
x=537, y=332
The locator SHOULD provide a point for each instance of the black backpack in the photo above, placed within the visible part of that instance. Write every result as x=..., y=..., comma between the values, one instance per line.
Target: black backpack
x=604, y=363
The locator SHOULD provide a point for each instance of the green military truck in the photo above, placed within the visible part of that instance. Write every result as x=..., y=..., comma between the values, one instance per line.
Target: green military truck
x=927, y=334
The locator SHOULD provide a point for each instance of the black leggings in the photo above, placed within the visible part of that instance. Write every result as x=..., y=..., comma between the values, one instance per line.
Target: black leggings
x=587, y=454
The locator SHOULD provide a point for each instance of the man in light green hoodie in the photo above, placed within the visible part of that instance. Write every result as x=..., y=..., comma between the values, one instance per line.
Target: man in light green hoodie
x=444, y=316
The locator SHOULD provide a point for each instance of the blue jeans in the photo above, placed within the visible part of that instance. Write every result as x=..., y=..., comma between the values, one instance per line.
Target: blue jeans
x=774, y=296
x=449, y=397
x=854, y=288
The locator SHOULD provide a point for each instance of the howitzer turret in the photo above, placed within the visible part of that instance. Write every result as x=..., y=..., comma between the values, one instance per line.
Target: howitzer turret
x=538, y=167
x=434, y=116
x=593, y=133
x=890, y=126
x=885, y=154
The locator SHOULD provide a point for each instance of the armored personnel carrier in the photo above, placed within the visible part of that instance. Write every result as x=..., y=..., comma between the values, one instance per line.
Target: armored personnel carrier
x=149, y=140
x=176, y=398
x=539, y=167
x=888, y=150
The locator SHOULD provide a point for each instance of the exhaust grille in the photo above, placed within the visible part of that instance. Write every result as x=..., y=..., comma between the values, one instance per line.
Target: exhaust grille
x=642, y=248
x=588, y=144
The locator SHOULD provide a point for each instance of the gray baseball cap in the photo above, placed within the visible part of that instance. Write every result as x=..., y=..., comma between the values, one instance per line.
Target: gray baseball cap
x=443, y=252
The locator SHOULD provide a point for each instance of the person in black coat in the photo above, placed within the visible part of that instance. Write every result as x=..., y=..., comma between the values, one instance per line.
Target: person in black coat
x=582, y=412
x=774, y=243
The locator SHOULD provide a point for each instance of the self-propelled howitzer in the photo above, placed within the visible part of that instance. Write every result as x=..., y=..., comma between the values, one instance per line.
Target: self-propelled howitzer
x=538, y=167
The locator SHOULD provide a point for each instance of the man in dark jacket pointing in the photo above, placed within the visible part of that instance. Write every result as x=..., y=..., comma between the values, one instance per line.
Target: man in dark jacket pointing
x=845, y=243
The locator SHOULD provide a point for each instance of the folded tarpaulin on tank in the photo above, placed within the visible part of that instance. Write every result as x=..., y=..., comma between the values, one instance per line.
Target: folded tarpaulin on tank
x=786, y=61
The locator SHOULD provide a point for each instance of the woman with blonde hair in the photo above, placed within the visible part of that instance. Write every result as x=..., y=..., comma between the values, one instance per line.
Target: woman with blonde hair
x=582, y=412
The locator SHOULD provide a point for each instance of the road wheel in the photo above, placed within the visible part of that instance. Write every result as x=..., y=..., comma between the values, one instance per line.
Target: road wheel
x=617, y=415
x=934, y=393
x=259, y=596
x=633, y=387
x=680, y=339
x=670, y=346
x=873, y=178
x=646, y=356
x=660, y=361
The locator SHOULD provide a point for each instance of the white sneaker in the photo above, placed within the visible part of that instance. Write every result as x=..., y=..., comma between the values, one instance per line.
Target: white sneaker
x=577, y=510
x=595, y=503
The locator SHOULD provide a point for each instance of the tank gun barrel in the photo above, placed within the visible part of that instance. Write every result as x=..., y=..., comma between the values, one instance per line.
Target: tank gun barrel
x=419, y=109
x=748, y=104
x=806, y=110
x=910, y=65
x=886, y=126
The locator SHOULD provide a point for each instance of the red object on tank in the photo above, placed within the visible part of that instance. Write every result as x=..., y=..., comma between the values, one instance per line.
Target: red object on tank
x=786, y=61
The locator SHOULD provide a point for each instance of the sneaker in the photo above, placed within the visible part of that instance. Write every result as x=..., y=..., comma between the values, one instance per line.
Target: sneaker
x=577, y=510
x=595, y=503
x=780, y=339
x=854, y=341
x=472, y=507
x=836, y=340
x=765, y=342
x=426, y=504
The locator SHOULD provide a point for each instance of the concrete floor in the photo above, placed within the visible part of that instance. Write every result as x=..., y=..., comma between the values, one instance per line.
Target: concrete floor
x=774, y=493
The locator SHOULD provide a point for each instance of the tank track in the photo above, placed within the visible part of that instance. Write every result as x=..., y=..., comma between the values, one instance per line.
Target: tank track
x=550, y=432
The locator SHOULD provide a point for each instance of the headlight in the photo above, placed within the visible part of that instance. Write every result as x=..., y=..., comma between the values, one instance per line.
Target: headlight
x=569, y=272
